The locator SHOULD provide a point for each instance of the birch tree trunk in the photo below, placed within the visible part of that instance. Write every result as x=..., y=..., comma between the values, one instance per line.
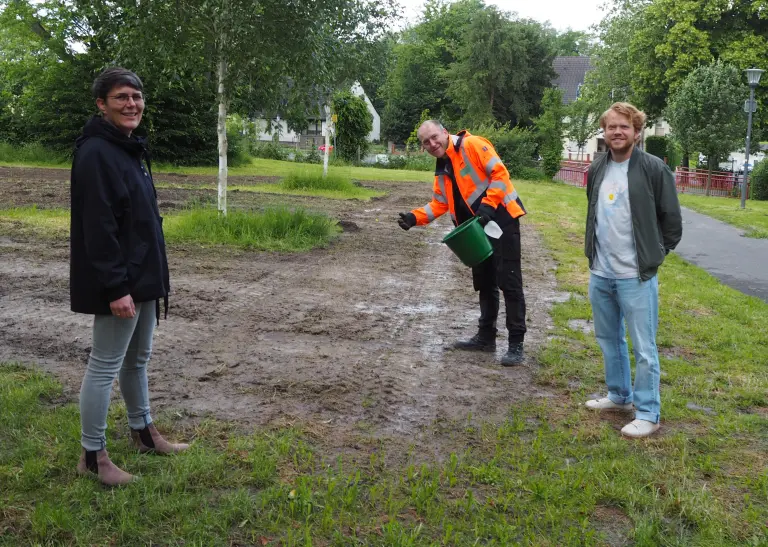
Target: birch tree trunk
x=221, y=130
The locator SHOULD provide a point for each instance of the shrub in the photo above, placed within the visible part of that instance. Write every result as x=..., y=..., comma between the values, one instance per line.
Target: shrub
x=758, y=181
x=657, y=146
x=674, y=154
x=413, y=162
x=237, y=149
x=313, y=156
x=516, y=146
x=269, y=150
x=353, y=125
x=395, y=162
x=531, y=173
x=420, y=162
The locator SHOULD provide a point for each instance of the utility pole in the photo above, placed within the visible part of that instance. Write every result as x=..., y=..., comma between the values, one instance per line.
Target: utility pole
x=753, y=78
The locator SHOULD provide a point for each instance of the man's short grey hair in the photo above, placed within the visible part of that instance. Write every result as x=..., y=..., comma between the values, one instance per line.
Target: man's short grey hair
x=434, y=122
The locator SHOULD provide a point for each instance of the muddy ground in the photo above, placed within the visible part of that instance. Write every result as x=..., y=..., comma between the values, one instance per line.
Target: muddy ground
x=347, y=342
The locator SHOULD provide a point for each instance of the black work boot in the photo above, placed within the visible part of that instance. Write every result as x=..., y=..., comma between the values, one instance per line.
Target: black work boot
x=479, y=342
x=514, y=355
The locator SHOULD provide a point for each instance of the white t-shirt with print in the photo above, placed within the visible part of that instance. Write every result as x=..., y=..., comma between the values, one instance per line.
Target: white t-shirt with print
x=615, y=255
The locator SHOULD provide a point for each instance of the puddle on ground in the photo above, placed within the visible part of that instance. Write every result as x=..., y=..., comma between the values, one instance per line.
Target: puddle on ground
x=583, y=325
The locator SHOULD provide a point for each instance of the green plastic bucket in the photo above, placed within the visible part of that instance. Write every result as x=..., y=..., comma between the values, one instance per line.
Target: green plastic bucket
x=469, y=242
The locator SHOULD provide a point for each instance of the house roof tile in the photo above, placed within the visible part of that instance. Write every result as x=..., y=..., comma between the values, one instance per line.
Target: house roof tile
x=570, y=73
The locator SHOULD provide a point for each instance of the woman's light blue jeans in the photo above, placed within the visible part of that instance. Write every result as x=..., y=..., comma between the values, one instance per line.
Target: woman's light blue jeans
x=121, y=346
x=613, y=301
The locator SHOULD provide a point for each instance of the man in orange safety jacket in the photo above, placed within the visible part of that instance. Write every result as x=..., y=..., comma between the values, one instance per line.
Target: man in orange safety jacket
x=471, y=180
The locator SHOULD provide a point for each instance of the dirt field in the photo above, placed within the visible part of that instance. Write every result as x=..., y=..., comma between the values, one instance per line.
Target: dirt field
x=348, y=341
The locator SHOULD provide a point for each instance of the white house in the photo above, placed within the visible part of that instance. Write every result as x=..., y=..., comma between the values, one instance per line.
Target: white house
x=314, y=134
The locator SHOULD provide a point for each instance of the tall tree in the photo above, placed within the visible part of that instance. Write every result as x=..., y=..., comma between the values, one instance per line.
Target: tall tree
x=502, y=68
x=413, y=84
x=649, y=47
x=421, y=55
x=550, y=129
x=706, y=111
x=612, y=78
x=244, y=44
x=582, y=122
x=572, y=42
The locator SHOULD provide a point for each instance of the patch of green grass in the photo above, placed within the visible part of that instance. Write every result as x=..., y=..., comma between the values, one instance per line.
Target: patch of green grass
x=264, y=167
x=272, y=230
x=536, y=479
x=316, y=181
x=753, y=219
x=31, y=155
x=298, y=183
x=35, y=223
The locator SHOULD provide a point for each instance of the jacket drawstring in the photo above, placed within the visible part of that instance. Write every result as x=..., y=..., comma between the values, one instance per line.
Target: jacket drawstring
x=157, y=309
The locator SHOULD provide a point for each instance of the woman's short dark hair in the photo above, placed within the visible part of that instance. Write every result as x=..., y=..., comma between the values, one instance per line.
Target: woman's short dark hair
x=114, y=77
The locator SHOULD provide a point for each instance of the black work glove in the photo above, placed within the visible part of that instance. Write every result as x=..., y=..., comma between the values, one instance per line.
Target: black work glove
x=485, y=213
x=407, y=221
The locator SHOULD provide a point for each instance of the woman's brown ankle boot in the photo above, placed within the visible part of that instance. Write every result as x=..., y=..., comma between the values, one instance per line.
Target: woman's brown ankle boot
x=97, y=462
x=150, y=440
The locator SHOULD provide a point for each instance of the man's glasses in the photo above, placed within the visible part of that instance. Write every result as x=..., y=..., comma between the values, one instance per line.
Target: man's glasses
x=122, y=98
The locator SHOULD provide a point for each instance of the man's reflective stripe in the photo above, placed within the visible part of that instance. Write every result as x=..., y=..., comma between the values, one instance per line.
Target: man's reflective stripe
x=509, y=198
x=497, y=184
x=469, y=170
x=490, y=164
x=430, y=214
x=439, y=197
x=481, y=188
x=441, y=186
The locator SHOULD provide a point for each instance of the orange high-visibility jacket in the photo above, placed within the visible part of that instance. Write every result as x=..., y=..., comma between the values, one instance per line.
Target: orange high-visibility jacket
x=480, y=176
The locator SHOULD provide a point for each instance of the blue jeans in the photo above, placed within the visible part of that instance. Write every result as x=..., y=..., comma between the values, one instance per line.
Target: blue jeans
x=121, y=346
x=613, y=301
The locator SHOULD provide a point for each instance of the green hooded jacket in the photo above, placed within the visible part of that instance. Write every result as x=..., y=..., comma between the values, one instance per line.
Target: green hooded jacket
x=657, y=224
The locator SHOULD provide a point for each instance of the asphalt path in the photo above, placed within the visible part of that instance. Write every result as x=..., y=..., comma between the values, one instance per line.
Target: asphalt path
x=721, y=249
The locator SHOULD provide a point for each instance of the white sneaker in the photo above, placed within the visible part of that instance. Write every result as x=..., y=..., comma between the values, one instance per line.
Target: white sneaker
x=639, y=428
x=606, y=404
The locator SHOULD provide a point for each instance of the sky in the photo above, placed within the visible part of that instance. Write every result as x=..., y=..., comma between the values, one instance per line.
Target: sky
x=561, y=14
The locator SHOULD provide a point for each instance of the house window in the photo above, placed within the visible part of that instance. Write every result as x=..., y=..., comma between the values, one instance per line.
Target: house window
x=315, y=127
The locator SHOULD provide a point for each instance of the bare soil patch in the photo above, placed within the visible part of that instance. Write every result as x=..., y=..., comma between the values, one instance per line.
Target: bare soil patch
x=347, y=341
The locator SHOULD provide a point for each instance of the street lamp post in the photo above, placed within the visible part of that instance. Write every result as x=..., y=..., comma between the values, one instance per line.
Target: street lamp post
x=753, y=78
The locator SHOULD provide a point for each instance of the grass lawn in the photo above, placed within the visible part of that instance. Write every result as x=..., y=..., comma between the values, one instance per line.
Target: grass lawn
x=269, y=230
x=273, y=168
x=753, y=218
x=552, y=474
x=278, y=168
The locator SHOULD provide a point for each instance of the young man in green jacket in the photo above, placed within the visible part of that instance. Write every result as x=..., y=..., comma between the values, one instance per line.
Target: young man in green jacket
x=633, y=221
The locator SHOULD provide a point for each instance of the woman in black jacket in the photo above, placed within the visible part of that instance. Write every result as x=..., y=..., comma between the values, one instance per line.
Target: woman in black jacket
x=118, y=269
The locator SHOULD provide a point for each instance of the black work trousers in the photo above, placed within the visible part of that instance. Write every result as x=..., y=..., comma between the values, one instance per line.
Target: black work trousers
x=502, y=271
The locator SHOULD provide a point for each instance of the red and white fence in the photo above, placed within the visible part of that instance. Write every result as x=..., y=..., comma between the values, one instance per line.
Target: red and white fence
x=573, y=173
x=694, y=181
x=687, y=181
